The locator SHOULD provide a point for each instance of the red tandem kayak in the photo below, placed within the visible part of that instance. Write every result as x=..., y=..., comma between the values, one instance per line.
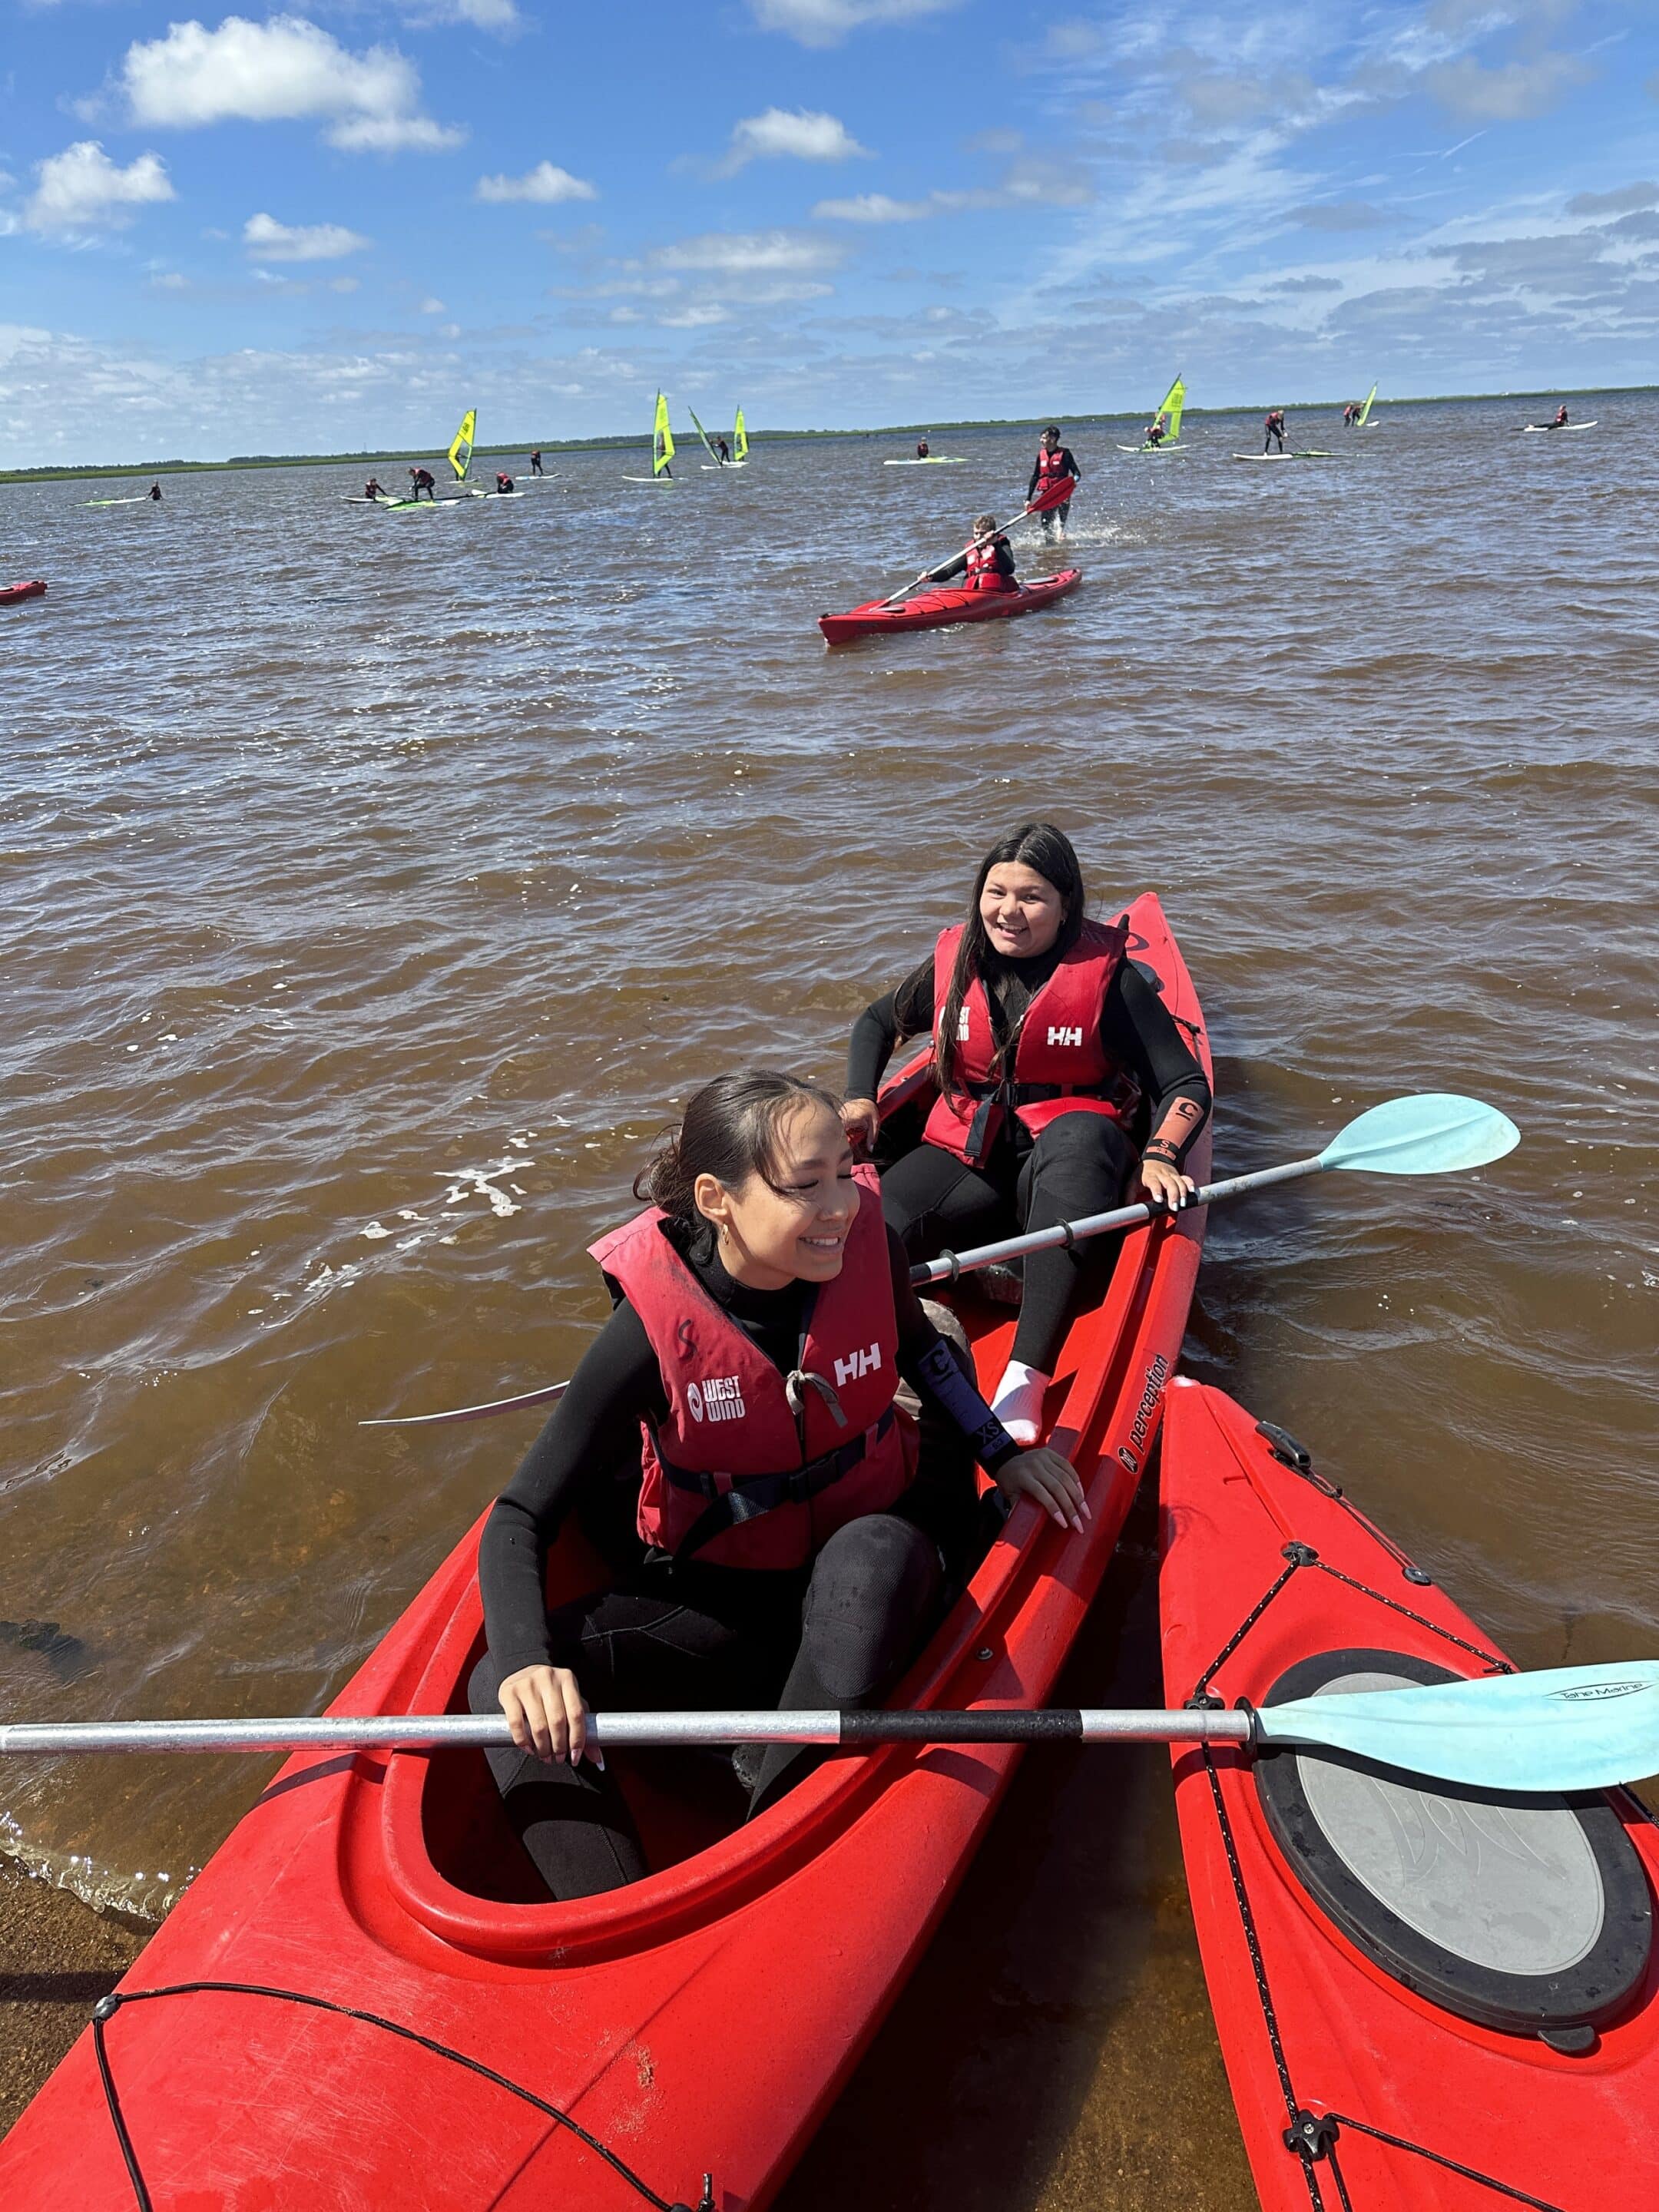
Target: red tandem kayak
x=1428, y=1999
x=937, y=610
x=699, y=2023
x=12, y=595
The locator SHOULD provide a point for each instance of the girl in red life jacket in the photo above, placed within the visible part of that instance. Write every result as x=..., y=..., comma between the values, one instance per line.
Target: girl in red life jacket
x=1052, y=1051
x=798, y=1533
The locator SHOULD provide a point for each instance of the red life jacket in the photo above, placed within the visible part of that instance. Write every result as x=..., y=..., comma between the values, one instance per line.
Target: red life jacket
x=1058, y=1066
x=982, y=573
x=1050, y=466
x=751, y=1468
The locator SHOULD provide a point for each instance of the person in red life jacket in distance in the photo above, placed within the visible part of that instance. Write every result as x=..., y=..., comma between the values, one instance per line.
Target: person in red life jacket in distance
x=797, y=1533
x=1351, y=414
x=536, y=468
x=422, y=480
x=1157, y=430
x=1059, y=1077
x=1053, y=460
x=1273, y=427
x=1560, y=422
x=923, y=449
x=375, y=489
x=503, y=481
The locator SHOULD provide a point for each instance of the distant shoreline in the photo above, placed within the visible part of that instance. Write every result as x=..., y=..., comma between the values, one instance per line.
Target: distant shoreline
x=631, y=442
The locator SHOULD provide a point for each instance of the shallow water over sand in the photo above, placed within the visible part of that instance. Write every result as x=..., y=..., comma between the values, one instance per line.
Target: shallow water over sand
x=375, y=885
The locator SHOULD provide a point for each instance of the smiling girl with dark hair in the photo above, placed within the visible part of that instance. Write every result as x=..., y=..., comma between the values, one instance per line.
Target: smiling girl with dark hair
x=1051, y=1053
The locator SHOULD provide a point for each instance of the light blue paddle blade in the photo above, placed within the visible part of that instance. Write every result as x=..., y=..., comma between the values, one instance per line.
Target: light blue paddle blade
x=1561, y=1729
x=1435, y=1133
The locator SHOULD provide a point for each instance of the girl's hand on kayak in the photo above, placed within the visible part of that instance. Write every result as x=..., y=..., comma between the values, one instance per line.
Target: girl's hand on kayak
x=862, y=1118
x=1052, y=1480
x=1159, y=1184
x=547, y=1713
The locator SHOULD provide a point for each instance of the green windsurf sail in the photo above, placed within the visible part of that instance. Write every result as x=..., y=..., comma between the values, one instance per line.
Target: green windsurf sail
x=460, y=451
x=662, y=439
x=1170, y=412
x=1365, y=410
x=739, y=438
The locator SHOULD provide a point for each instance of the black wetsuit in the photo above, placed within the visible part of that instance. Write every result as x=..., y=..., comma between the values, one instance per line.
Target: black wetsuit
x=536, y=468
x=674, y=1634
x=1077, y=1166
x=1068, y=467
x=1273, y=427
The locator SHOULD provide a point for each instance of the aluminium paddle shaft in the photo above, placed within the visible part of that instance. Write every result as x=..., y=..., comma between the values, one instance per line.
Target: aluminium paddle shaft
x=468, y=1731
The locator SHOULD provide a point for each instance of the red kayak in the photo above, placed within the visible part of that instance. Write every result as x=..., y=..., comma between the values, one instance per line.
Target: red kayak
x=1429, y=2000
x=12, y=595
x=937, y=610
x=365, y=2001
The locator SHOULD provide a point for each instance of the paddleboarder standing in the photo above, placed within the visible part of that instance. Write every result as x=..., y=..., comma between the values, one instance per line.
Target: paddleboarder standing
x=536, y=468
x=1053, y=460
x=422, y=480
x=1274, y=427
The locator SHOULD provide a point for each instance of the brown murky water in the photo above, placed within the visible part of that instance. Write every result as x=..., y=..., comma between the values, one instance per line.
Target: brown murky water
x=373, y=886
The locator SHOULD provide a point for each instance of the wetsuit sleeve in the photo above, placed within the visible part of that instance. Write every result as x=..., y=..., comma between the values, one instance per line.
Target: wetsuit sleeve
x=925, y=1363
x=956, y=568
x=1068, y=465
x=1037, y=477
x=905, y=1013
x=1137, y=1028
x=1005, y=557
x=594, y=1425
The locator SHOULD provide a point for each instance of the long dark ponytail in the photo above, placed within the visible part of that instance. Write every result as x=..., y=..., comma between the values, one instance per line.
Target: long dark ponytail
x=1036, y=845
x=730, y=1131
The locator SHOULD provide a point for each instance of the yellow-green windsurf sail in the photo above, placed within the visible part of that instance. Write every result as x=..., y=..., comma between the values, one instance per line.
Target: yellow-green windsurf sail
x=1169, y=408
x=704, y=434
x=662, y=439
x=460, y=453
x=739, y=438
x=1367, y=409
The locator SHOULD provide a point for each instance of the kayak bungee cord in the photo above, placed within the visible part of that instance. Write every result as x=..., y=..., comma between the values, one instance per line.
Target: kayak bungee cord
x=107, y=2008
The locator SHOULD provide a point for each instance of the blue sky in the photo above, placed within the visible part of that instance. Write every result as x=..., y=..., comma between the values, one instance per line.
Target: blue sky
x=332, y=227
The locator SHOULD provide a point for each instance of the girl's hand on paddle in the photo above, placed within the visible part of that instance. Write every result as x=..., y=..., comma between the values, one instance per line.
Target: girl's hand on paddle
x=548, y=1714
x=1161, y=1183
x=1052, y=1480
x=862, y=1118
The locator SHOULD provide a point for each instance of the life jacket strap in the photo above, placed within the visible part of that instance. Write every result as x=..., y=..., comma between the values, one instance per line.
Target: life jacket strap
x=734, y=1498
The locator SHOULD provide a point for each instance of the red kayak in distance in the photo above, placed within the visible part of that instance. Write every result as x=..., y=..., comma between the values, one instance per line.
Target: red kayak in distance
x=938, y=610
x=1429, y=1998
x=13, y=595
x=366, y=2001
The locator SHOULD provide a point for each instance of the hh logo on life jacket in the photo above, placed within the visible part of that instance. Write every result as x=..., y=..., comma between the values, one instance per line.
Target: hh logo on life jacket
x=1064, y=1036
x=860, y=1364
x=718, y=1399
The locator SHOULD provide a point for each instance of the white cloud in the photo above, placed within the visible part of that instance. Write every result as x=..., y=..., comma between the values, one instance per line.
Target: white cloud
x=432, y=306
x=743, y=253
x=284, y=70
x=545, y=184
x=827, y=22
x=267, y=240
x=873, y=206
x=499, y=15
x=81, y=189
x=797, y=134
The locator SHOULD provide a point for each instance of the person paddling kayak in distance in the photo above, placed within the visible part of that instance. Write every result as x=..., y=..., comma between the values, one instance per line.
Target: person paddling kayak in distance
x=536, y=468
x=801, y=1532
x=987, y=565
x=1053, y=460
x=1051, y=1050
x=422, y=480
x=1273, y=427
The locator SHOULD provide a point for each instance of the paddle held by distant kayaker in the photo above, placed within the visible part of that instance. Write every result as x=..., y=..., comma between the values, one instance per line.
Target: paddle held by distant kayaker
x=1055, y=460
x=1058, y=1077
x=796, y=1532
